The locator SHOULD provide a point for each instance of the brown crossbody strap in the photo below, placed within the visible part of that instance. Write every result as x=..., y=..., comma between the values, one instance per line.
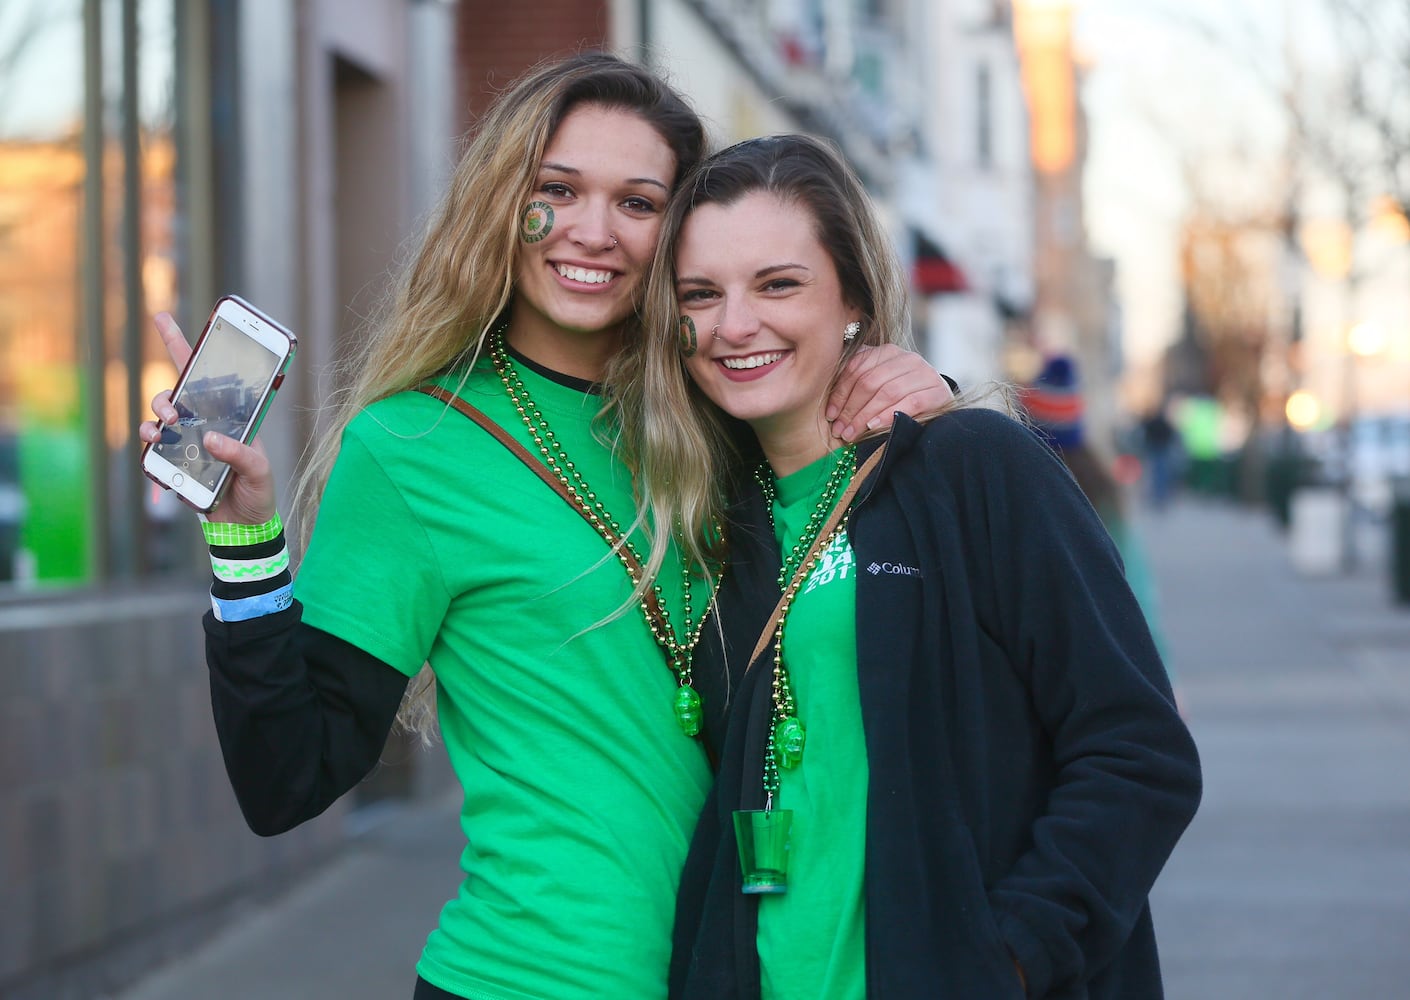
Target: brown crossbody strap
x=541, y=470
x=838, y=513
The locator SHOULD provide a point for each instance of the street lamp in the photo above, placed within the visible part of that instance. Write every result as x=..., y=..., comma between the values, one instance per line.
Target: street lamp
x=1303, y=410
x=1365, y=340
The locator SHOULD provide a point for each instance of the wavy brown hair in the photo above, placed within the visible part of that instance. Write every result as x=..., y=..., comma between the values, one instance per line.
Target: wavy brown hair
x=684, y=443
x=460, y=279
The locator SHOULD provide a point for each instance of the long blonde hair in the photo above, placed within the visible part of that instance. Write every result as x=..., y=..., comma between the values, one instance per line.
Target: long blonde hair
x=460, y=280
x=685, y=446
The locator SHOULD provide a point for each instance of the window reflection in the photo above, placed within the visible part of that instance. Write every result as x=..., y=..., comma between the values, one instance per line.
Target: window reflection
x=66, y=469
x=167, y=522
x=43, y=532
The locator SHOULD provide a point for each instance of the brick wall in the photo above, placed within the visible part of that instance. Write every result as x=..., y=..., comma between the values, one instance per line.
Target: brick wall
x=120, y=840
x=496, y=42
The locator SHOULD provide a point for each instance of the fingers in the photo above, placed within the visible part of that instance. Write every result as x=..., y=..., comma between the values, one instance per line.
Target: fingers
x=162, y=408
x=172, y=339
x=250, y=498
x=179, y=351
x=249, y=462
x=876, y=383
x=861, y=362
x=845, y=401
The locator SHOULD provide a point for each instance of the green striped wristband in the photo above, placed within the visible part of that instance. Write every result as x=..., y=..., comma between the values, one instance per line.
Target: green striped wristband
x=250, y=570
x=225, y=533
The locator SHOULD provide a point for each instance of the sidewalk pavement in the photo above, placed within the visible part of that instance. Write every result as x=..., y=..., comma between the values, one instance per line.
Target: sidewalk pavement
x=352, y=930
x=1294, y=879
x=1293, y=882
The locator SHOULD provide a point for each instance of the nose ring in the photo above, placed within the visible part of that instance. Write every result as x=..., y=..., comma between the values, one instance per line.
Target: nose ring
x=615, y=241
x=715, y=333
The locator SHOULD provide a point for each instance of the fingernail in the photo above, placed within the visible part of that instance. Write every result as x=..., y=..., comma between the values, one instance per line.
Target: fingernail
x=847, y=432
x=873, y=423
x=832, y=413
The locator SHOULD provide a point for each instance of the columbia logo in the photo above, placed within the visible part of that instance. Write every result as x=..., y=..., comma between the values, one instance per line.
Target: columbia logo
x=893, y=569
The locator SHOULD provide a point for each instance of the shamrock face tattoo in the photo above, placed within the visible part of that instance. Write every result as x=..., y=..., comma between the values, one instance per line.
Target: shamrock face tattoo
x=688, y=341
x=537, y=223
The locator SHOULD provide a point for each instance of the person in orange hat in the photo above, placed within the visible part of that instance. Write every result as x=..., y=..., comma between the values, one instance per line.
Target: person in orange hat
x=1055, y=408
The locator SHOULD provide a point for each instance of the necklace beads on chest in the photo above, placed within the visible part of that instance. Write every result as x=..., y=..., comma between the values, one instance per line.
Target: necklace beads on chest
x=686, y=703
x=787, y=735
x=840, y=474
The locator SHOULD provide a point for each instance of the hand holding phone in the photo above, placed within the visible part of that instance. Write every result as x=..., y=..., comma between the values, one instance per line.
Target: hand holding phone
x=226, y=386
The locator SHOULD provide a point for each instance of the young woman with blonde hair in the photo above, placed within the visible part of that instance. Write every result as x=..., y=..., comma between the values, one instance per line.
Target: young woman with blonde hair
x=951, y=765
x=490, y=548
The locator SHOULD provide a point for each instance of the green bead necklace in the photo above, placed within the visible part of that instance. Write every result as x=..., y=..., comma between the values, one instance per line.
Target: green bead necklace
x=787, y=734
x=686, y=704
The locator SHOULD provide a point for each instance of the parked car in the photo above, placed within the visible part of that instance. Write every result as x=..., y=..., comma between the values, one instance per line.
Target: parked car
x=1371, y=458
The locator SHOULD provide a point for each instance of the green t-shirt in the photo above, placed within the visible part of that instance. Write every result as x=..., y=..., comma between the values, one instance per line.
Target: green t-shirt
x=434, y=543
x=812, y=939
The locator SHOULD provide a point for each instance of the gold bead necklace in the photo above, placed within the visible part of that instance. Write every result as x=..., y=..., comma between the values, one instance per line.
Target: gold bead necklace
x=787, y=734
x=686, y=704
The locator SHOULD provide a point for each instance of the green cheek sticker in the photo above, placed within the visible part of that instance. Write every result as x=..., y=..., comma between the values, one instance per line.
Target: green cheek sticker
x=538, y=222
x=688, y=341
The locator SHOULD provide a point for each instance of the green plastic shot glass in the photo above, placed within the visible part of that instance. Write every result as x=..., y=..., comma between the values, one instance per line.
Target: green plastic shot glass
x=762, y=836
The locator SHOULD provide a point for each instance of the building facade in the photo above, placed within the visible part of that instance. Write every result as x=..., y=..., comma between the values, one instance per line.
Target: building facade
x=925, y=99
x=1074, y=306
x=968, y=197
x=155, y=154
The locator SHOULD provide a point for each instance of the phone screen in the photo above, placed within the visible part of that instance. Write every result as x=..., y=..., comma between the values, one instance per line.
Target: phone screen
x=222, y=393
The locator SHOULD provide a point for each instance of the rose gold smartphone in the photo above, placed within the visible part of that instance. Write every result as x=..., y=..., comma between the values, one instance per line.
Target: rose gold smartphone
x=227, y=386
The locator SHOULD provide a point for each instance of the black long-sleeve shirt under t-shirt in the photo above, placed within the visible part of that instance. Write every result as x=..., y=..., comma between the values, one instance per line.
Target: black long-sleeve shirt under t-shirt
x=302, y=715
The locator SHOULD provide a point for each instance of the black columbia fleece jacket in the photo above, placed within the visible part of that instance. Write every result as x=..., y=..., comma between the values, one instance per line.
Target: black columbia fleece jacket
x=1029, y=773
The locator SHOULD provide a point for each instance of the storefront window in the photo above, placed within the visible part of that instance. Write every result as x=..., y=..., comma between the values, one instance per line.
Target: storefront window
x=43, y=448
x=162, y=522
x=73, y=276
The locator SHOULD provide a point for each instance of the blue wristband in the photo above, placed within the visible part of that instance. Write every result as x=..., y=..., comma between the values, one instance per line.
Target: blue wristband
x=246, y=608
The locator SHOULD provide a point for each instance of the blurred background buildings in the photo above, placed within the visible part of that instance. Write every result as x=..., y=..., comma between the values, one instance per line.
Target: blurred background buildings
x=155, y=154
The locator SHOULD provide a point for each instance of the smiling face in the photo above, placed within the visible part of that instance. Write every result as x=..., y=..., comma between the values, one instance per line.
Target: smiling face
x=589, y=232
x=757, y=270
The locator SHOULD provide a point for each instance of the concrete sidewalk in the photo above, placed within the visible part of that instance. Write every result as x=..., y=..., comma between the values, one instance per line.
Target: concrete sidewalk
x=352, y=930
x=1294, y=879
x=1293, y=882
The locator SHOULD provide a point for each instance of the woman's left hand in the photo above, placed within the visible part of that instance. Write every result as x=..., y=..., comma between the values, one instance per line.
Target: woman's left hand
x=877, y=382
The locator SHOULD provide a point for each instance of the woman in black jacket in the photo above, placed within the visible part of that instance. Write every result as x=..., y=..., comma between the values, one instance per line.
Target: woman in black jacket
x=955, y=699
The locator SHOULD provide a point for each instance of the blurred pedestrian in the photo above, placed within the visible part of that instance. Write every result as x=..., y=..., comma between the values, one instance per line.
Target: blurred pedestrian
x=569, y=716
x=1056, y=409
x=1160, y=450
x=952, y=766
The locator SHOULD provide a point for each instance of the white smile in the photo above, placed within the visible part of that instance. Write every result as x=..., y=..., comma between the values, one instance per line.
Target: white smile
x=753, y=361
x=584, y=275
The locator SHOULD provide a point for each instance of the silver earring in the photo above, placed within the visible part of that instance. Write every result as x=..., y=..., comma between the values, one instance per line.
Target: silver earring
x=715, y=333
x=850, y=331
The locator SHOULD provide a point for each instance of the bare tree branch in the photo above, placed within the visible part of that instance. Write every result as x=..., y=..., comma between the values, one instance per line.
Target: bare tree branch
x=1375, y=38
